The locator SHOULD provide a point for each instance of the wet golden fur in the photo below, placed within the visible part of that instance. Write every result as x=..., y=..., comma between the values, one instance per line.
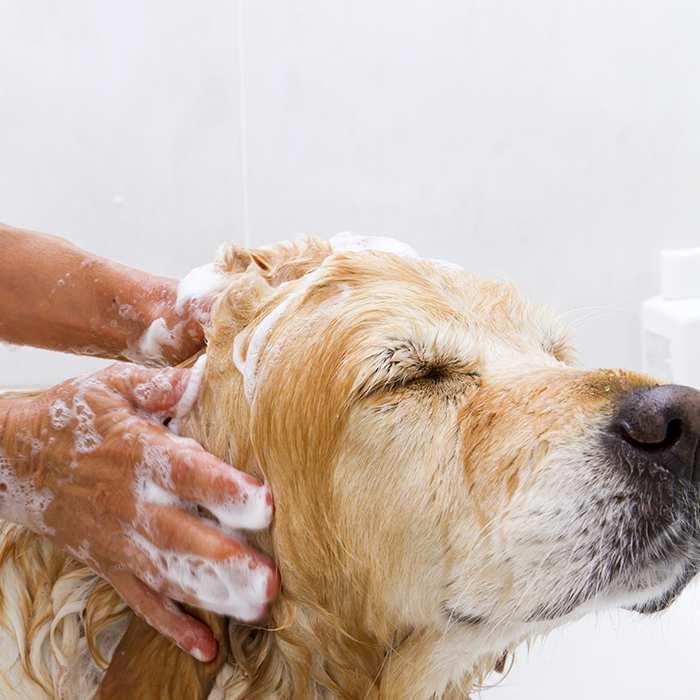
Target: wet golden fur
x=403, y=412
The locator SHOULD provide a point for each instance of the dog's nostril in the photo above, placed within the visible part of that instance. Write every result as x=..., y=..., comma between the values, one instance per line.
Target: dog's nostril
x=674, y=432
x=662, y=424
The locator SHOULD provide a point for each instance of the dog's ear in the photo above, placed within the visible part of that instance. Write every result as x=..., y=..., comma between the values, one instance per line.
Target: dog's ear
x=255, y=273
x=147, y=666
x=276, y=263
x=254, y=276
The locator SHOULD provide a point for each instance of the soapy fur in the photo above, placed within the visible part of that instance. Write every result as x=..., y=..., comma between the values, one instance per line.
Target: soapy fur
x=349, y=242
x=441, y=492
x=249, y=366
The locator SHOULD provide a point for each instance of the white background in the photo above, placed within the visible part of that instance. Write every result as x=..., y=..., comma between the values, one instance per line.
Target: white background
x=551, y=142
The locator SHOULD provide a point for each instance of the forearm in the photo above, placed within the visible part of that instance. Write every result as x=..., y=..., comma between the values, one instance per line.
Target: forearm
x=56, y=296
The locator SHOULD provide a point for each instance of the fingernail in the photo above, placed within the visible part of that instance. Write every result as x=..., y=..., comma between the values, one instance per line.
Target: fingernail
x=200, y=653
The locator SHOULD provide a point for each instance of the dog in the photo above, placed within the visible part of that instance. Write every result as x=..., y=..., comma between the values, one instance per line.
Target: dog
x=448, y=484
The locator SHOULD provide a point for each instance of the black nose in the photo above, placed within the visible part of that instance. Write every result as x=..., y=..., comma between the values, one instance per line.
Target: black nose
x=663, y=423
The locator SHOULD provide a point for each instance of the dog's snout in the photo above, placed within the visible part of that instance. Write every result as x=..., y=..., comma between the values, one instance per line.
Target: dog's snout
x=663, y=423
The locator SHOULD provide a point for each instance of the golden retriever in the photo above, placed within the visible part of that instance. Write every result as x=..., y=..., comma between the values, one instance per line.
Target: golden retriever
x=447, y=484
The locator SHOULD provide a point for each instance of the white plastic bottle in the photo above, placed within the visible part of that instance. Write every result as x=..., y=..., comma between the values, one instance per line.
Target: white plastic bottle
x=671, y=321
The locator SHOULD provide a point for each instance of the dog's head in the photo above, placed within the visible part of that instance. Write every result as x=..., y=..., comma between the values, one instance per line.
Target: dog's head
x=446, y=480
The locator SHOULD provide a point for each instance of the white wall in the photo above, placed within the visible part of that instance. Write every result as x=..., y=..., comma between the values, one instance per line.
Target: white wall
x=552, y=142
x=119, y=129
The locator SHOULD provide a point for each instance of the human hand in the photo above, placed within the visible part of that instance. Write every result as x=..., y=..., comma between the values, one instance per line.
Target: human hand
x=54, y=295
x=90, y=465
x=174, y=314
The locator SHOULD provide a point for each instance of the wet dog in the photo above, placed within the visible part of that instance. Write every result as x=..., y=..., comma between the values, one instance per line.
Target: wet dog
x=448, y=484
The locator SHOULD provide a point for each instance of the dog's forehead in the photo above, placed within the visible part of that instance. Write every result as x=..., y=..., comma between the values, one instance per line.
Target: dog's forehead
x=369, y=296
x=432, y=291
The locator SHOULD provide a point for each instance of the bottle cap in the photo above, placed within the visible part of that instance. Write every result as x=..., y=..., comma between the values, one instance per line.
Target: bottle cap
x=680, y=273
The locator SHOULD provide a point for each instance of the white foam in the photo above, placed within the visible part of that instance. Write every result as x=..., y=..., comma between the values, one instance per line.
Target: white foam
x=20, y=501
x=128, y=312
x=201, y=282
x=158, y=384
x=236, y=586
x=248, y=367
x=251, y=509
x=60, y=414
x=349, y=242
x=199, y=654
x=87, y=439
x=154, y=339
x=190, y=395
x=26, y=438
x=155, y=463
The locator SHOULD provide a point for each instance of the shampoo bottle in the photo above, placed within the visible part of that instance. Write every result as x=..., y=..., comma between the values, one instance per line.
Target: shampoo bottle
x=671, y=321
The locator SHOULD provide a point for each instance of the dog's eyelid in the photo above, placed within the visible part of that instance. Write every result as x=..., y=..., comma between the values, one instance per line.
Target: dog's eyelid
x=559, y=348
x=403, y=362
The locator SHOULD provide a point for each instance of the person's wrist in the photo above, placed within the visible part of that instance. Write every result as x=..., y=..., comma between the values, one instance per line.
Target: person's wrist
x=167, y=333
x=157, y=297
x=156, y=326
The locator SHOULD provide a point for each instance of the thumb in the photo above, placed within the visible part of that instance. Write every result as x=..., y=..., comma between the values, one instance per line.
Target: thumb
x=167, y=391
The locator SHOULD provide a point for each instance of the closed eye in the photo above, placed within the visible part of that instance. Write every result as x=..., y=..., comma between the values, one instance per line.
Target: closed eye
x=560, y=349
x=405, y=364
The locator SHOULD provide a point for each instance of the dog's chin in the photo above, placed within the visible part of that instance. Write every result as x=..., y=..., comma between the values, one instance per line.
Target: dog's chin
x=660, y=602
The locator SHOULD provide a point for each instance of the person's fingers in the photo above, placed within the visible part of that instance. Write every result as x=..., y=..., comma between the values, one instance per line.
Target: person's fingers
x=162, y=614
x=183, y=468
x=194, y=562
x=173, y=529
x=236, y=499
